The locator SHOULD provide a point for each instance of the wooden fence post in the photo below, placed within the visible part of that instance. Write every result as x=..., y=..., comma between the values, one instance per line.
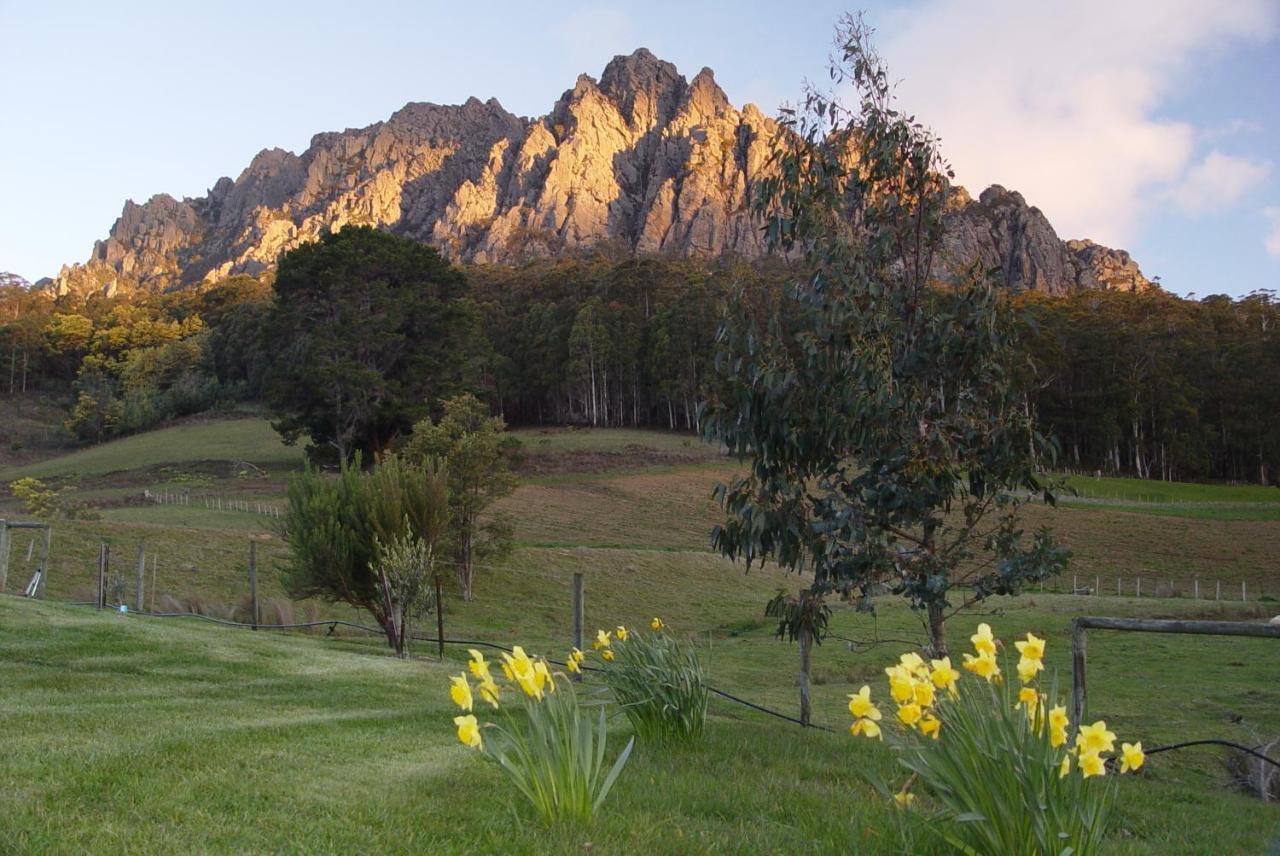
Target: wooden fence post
x=139, y=602
x=1196, y=587
x=4, y=554
x=439, y=620
x=44, y=561
x=1244, y=591
x=1218, y=596
x=578, y=617
x=1078, y=693
x=1138, y=586
x=104, y=559
x=253, y=582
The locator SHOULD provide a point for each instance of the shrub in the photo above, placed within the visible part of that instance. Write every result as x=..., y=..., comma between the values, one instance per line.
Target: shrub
x=997, y=762
x=658, y=680
x=37, y=497
x=550, y=744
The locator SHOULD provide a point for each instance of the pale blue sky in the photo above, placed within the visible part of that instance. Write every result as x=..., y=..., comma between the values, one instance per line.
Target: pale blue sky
x=1144, y=124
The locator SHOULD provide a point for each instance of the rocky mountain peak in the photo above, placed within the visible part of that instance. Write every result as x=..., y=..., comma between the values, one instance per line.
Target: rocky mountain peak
x=642, y=159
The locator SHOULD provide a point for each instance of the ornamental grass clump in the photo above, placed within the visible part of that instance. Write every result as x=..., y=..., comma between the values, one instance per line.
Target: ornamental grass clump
x=997, y=762
x=658, y=680
x=549, y=743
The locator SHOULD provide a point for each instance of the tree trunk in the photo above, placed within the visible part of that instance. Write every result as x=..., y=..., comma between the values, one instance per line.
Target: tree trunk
x=805, y=707
x=937, y=632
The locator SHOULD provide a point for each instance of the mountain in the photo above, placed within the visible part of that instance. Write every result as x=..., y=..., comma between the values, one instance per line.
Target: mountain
x=641, y=159
x=12, y=279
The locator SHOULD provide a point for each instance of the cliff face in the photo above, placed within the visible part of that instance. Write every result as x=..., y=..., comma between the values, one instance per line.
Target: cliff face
x=642, y=159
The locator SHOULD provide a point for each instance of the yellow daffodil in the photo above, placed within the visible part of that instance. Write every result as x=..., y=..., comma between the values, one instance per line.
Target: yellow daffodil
x=622, y=633
x=1029, y=698
x=913, y=663
x=602, y=640
x=520, y=668
x=1095, y=738
x=1057, y=726
x=901, y=684
x=542, y=676
x=489, y=692
x=656, y=624
x=468, y=731
x=608, y=655
x=1032, y=648
x=1065, y=768
x=572, y=665
x=460, y=691
x=930, y=726
x=923, y=693
x=1028, y=669
x=909, y=714
x=865, y=726
x=1131, y=757
x=478, y=666
x=904, y=799
x=983, y=641
x=860, y=704
x=1091, y=764
x=943, y=676
x=984, y=665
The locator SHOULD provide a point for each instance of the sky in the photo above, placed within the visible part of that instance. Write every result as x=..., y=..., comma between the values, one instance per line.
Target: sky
x=1149, y=125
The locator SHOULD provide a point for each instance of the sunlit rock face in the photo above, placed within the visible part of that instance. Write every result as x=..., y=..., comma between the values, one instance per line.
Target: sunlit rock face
x=642, y=159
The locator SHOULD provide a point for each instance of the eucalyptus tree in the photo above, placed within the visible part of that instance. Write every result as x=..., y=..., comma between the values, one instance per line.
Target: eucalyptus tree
x=879, y=408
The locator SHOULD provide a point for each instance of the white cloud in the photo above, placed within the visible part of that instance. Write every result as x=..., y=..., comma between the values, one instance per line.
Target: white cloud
x=1272, y=239
x=1217, y=182
x=1060, y=100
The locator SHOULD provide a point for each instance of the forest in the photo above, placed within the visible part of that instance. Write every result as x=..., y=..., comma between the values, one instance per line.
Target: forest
x=1148, y=384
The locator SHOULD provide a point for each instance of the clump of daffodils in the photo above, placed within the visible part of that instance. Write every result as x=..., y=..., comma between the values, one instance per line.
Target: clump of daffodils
x=979, y=744
x=553, y=752
x=656, y=677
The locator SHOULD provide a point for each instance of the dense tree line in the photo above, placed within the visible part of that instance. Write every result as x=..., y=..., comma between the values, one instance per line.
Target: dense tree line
x=1150, y=385
x=1156, y=386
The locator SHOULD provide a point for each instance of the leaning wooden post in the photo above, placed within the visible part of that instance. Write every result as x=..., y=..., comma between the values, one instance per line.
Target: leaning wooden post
x=253, y=582
x=439, y=620
x=578, y=617
x=139, y=601
x=4, y=553
x=1078, y=693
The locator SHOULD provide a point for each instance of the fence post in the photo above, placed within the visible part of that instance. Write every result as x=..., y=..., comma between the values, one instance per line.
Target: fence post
x=253, y=582
x=1097, y=586
x=1219, y=591
x=1196, y=587
x=1075, y=584
x=1078, y=693
x=577, y=617
x=439, y=620
x=104, y=561
x=1138, y=588
x=1119, y=581
x=1244, y=591
x=44, y=561
x=4, y=553
x=142, y=573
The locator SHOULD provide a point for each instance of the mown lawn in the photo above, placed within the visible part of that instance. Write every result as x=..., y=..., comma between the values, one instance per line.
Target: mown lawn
x=147, y=735
x=128, y=734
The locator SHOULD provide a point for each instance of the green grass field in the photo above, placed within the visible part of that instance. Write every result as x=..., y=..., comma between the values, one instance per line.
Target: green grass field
x=131, y=734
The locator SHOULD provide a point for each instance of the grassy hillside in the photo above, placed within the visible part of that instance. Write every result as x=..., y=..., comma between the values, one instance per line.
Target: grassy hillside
x=129, y=734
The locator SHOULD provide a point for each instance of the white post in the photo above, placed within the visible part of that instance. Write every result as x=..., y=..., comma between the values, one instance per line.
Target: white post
x=1244, y=591
x=1196, y=585
x=1138, y=587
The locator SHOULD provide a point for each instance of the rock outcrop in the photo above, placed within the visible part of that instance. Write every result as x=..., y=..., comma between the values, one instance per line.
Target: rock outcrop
x=642, y=159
